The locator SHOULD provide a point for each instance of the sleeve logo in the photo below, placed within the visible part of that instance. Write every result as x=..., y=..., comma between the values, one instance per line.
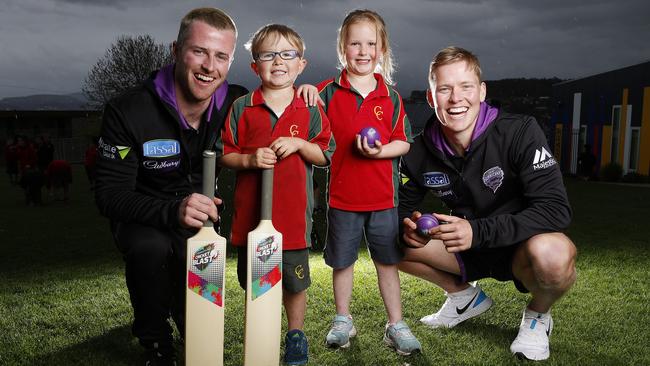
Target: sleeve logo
x=543, y=159
x=112, y=152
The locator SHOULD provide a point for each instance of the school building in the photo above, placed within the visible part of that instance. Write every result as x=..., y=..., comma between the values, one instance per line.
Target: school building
x=610, y=112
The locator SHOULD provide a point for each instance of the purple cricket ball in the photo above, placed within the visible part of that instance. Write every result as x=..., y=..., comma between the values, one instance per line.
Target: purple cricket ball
x=426, y=222
x=371, y=134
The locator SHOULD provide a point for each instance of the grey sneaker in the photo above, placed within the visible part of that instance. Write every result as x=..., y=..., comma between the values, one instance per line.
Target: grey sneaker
x=341, y=332
x=399, y=337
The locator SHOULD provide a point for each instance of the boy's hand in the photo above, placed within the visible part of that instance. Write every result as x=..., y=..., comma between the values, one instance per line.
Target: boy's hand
x=309, y=94
x=285, y=146
x=264, y=158
x=366, y=150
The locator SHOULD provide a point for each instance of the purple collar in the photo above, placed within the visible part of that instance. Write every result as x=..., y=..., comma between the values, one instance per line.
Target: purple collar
x=164, y=86
x=486, y=115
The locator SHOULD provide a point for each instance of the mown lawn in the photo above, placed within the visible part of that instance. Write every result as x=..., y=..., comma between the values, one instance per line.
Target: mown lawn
x=63, y=299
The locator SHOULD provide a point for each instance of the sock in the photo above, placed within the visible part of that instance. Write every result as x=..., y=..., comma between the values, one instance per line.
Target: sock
x=466, y=292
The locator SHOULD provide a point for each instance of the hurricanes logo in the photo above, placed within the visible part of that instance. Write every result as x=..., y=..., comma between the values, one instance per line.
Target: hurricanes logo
x=379, y=113
x=293, y=130
x=299, y=271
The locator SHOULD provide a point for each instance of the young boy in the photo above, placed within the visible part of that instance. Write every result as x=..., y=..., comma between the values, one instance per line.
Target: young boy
x=273, y=128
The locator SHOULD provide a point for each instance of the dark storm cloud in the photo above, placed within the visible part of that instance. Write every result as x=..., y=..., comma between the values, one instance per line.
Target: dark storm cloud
x=49, y=45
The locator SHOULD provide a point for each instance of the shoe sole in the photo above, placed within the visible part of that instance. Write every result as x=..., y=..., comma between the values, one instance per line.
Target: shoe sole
x=470, y=313
x=352, y=334
x=389, y=342
x=522, y=356
x=542, y=357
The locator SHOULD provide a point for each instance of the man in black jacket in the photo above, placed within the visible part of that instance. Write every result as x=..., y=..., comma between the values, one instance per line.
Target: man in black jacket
x=149, y=170
x=507, y=202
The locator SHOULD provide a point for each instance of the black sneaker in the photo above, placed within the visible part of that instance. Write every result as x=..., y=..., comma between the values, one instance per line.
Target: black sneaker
x=160, y=356
x=296, y=348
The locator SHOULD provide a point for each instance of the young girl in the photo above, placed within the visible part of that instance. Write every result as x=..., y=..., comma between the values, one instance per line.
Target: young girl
x=363, y=179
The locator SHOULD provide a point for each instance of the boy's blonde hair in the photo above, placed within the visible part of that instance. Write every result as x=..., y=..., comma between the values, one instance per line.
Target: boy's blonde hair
x=386, y=65
x=276, y=31
x=214, y=17
x=450, y=55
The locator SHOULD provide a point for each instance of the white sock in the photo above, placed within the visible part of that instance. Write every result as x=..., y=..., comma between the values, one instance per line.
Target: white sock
x=466, y=292
x=536, y=314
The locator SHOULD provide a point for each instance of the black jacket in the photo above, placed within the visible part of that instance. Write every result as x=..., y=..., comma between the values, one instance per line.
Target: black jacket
x=507, y=186
x=134, y=185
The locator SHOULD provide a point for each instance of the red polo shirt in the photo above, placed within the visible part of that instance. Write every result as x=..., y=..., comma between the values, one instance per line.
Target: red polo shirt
x=358, y=183
x=251, y=124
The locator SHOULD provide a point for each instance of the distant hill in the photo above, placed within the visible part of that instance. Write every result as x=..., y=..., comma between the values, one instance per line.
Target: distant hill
x=46, y=102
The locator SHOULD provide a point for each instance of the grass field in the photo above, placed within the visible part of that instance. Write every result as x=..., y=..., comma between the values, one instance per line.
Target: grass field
x=63, y=298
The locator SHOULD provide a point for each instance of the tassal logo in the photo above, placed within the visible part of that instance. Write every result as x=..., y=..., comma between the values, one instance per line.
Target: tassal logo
x=161, y=148
x=435, y=179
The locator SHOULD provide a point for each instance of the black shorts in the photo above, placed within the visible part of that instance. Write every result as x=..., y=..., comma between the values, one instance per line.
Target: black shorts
x=295, y=269
x=496, y=263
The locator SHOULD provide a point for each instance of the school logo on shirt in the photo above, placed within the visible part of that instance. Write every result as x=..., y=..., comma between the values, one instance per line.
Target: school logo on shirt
x=543, y=159
x=379, y=113
x=161, y=148
x=293, y=130
x=493, y=178
x=435, y=179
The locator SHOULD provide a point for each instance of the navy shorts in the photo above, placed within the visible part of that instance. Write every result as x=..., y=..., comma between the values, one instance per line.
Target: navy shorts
x=345, y=229
x=493, y=263
x=295, y=269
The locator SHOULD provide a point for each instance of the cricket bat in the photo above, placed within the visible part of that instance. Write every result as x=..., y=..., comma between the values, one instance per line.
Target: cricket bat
x=264, y=286
x=204, y=294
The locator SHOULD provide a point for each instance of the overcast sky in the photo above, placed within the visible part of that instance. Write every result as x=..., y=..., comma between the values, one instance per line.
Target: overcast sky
x=48, y=46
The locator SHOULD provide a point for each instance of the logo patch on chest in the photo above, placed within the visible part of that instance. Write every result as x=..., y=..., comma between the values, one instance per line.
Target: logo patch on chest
x=435, y=179
x=493, y=178
x=161, y=148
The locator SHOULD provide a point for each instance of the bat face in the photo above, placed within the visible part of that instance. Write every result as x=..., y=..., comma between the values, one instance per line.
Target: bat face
x=205, y=274
x=263, y=286
x=266, y=262
x=204, y=294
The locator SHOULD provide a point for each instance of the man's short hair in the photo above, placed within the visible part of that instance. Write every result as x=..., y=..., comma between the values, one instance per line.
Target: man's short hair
x=214, y=17
x=450, y=55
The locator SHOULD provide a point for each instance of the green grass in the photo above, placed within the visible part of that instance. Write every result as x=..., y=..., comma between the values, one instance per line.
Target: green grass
x=63, y=298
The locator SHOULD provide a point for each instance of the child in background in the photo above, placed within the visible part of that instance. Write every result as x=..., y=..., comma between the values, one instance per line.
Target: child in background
x=273, y=128
x=363, y=180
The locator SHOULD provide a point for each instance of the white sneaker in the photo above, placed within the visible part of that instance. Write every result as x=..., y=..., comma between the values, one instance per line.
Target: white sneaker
x=459, y=307
x=532, y=341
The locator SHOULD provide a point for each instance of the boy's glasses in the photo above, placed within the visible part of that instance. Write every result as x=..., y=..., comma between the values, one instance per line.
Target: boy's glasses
x=285, y=55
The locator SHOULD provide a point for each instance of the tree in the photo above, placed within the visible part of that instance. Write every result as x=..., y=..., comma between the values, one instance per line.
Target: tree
x=126, y=63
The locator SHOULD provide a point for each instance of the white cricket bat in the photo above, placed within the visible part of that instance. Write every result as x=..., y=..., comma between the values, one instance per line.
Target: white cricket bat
x=264, y=286
x=205, y=279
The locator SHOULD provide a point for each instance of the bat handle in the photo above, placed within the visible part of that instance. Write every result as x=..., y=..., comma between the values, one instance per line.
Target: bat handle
x=267, y=194
x=209, y=162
